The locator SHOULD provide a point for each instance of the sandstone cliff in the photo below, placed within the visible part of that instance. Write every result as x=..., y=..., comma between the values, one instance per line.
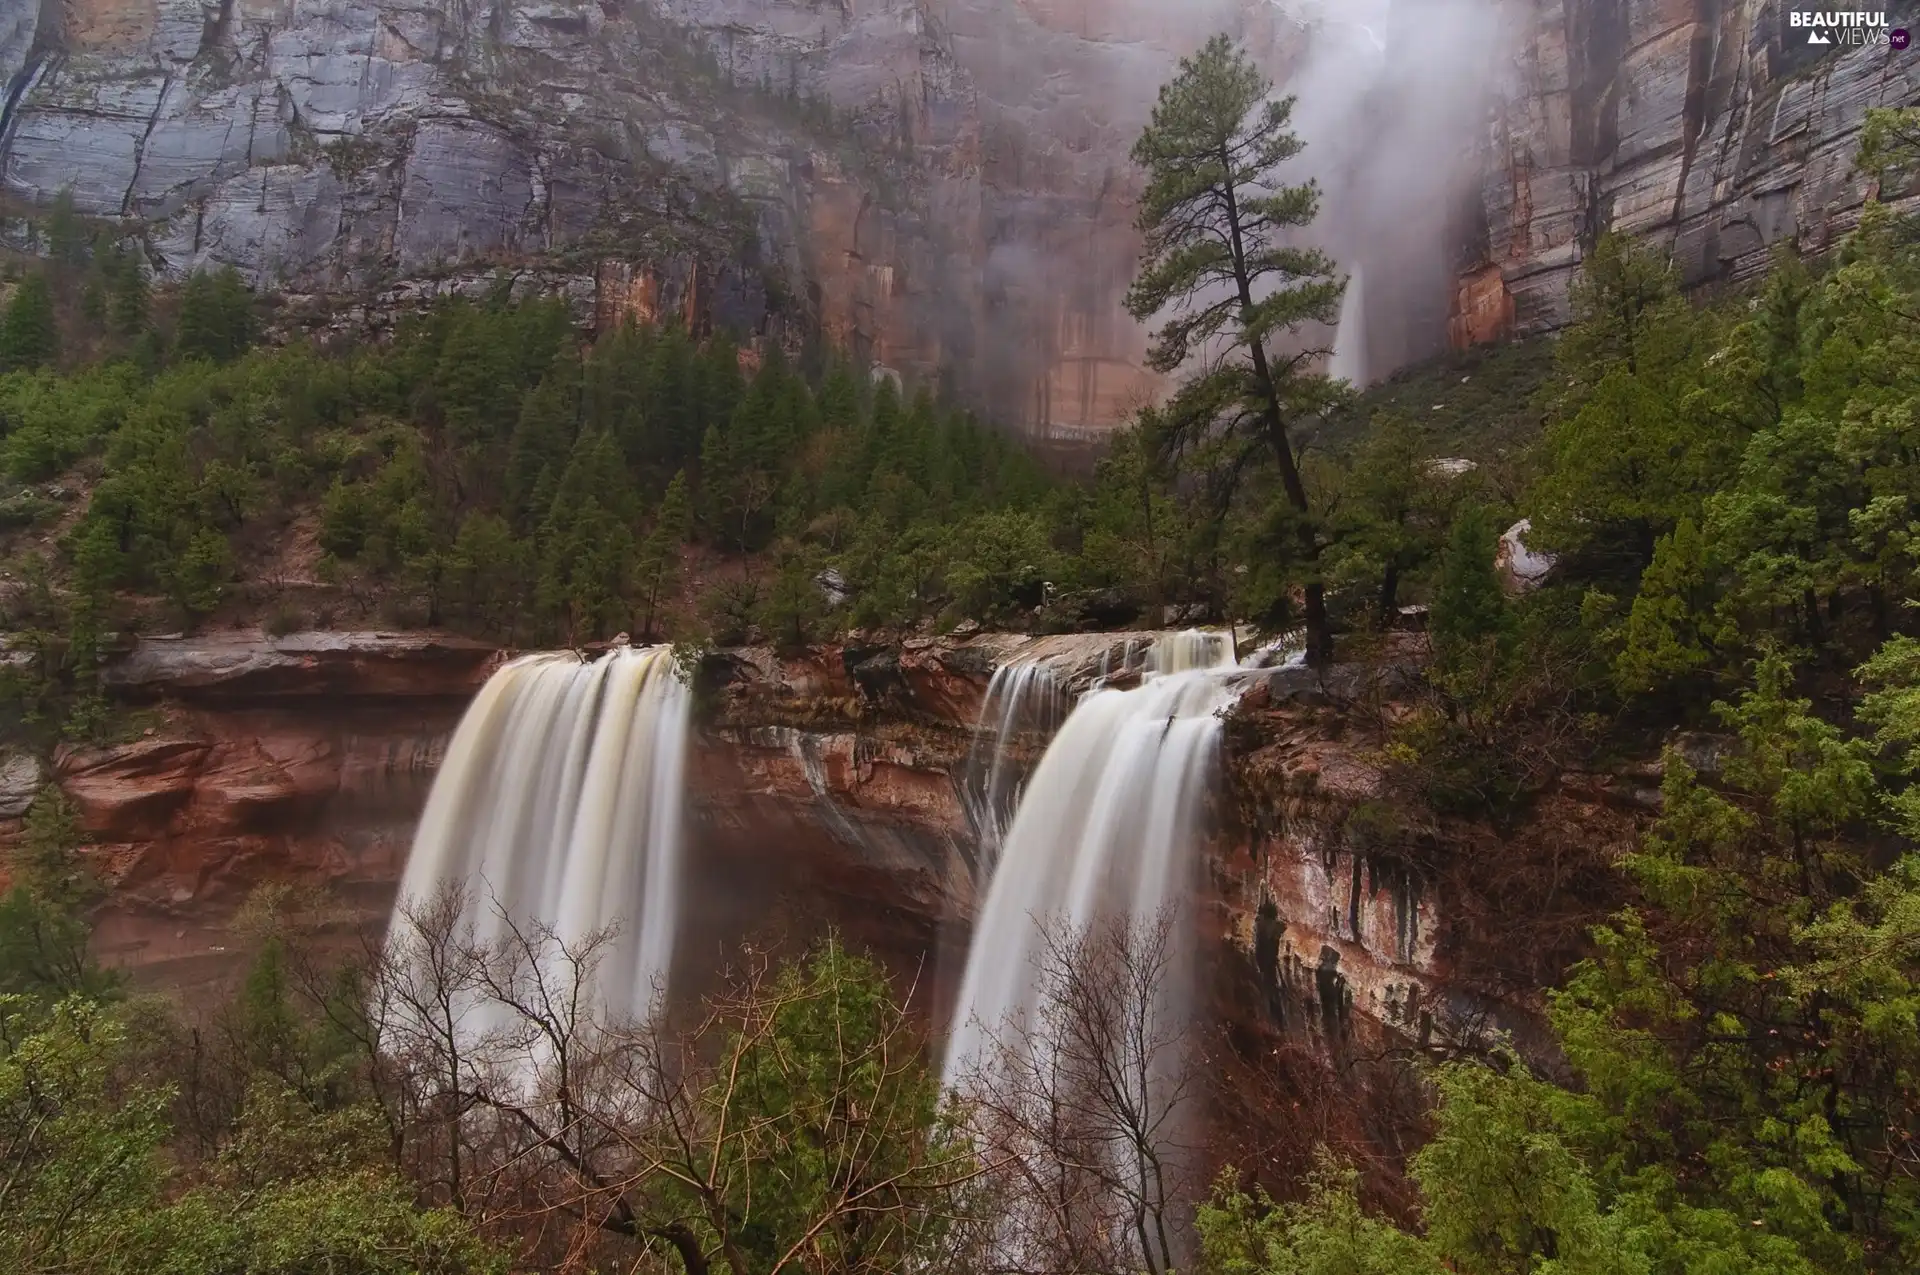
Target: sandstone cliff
x=942, y=185
x=1711, y=126
x=827, y=788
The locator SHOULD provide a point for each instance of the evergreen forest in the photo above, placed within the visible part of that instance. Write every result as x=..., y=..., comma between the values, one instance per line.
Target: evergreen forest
x=1728, y=486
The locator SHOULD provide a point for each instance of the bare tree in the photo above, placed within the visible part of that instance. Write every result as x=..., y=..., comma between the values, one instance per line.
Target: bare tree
x=796, y=1126
x=812, y=1139
x=428, y=983
x=1084, y=1104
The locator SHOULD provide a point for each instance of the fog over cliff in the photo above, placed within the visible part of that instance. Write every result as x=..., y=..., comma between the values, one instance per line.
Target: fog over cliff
x=1394, y=101
x=939, y=186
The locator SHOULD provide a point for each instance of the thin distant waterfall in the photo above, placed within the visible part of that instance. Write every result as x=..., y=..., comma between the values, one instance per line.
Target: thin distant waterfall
x=560, y=803
x=1349, y=362
x=1105, y=828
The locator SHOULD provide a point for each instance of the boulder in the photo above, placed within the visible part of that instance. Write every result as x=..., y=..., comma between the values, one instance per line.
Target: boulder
x=1521, y=569
x=20, y=780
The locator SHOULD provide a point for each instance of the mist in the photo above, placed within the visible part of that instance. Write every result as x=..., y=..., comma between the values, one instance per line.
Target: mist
x=1393, y=100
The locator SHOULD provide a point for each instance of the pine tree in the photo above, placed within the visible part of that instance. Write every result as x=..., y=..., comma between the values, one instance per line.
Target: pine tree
x=474, y=383
x=29, y=333
x=1217, y=219
x=199, y=576
x=616, y=391
x=657, y=571
x=216, y=317
x=488, y=568
x=586, y=541
x=1468, y=605
x=128, y=303
x=542, y=440
x=66, y=231
x=1672, y=631
x=720, y=387
x=675, y=427
x=1627, y=459
x=1394, y=512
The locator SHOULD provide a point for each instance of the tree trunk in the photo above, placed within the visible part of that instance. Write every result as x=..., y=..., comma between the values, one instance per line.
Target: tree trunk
x=1319, y=635
x=1389, y=595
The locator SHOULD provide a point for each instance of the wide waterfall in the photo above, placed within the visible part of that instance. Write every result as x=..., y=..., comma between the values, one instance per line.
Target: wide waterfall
x=1105, y=829
x=559, y=806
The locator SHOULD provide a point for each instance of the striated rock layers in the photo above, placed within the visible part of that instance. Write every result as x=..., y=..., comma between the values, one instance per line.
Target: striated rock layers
x=299, y=759
x=1710, y=126
x=941, y=185
x=764, y=164
x=825, y=790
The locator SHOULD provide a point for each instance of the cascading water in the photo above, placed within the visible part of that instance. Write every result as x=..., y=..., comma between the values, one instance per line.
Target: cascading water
x=560, y=805
x=1103, y=830
x=1349, y=362
x=1024, y=701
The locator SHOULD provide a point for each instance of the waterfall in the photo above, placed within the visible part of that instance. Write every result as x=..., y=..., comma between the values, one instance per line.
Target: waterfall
x=1349, y=362
x=560, y=803
x=1105, y=828
x=1024, y=701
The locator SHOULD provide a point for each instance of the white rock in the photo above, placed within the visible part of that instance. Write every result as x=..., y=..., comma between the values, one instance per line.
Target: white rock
x=1521, y=569
x=20, y=780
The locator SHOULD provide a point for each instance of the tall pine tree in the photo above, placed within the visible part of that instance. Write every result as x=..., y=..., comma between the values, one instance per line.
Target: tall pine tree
x=29, y=334
x=1217, y=220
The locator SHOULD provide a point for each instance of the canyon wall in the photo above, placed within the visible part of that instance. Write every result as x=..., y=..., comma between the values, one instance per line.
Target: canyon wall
x=942, y=186
x=826, y=789
x=1711, y=127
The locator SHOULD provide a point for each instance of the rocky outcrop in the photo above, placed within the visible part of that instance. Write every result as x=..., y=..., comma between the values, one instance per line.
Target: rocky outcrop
x=1361, y=910
x=754, y=163
x=1712, y=128
x=254, y=668
x=823, y=788
x=20, y=779
x=938, y=184
x=305, y=758
x=826, y=788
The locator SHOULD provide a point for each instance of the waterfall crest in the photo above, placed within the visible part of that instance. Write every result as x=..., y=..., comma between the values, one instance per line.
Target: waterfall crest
x=1102, y=830
x=560, y=802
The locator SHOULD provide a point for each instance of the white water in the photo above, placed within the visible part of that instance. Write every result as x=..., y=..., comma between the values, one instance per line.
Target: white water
x=1024, y=699
x=1349, y=362
x=560, y=802
x=1106, y=829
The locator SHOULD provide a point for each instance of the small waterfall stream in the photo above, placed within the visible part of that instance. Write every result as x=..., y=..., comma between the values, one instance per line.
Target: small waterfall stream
x=560, y=801
x=1103, y=829
x=1024, y=701
x=1349, y=361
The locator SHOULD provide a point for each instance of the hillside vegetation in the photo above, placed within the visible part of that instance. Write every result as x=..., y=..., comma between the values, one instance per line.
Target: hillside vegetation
x=1731, y=494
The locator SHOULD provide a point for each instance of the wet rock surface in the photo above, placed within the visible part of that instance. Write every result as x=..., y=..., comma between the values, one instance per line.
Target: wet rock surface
x=251, y=666
x=825, y=789
x=822, y=786
x=1714, y=130
x=940, y=184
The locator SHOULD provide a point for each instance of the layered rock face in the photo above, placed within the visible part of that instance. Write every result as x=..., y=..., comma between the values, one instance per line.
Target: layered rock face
x=942, y=185
x=744, y=162
x=301, y=759
x=1710, y=126
x=825, y=789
